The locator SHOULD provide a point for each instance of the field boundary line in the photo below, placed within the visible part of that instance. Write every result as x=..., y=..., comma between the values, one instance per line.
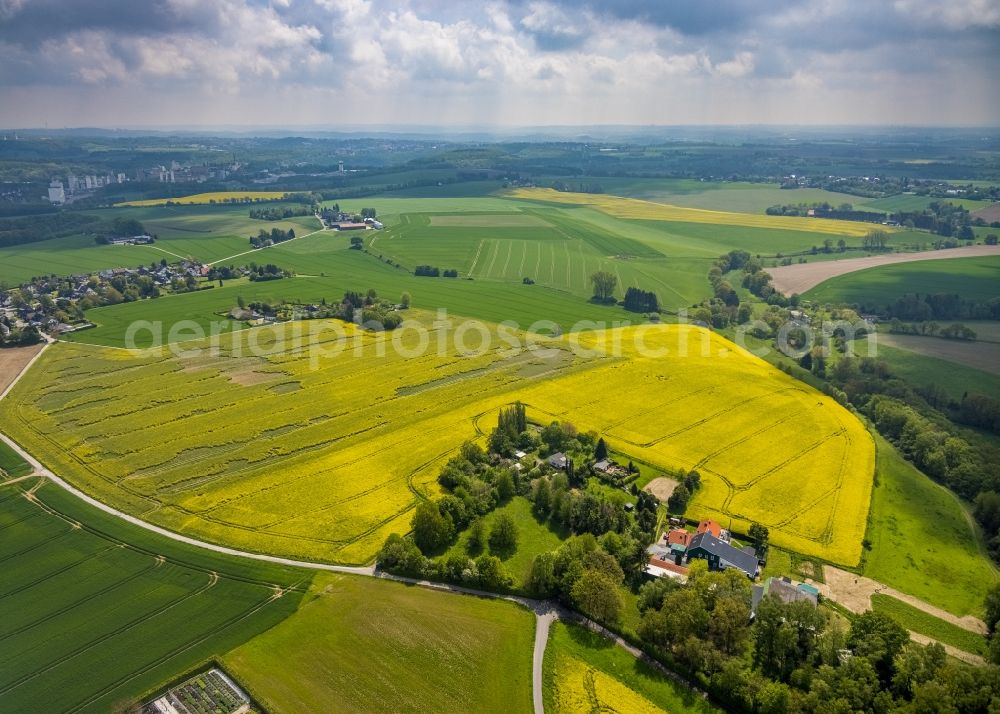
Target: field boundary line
x=257, y=250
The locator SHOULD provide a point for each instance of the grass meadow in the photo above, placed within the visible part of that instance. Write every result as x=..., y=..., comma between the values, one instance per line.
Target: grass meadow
x=365, y=645
x=923, y=370
x=972, y=278
x=922, y=623
x=270, y=454
x=98, y=612
x=533, y=538
x=584, y=671
x=923, y=541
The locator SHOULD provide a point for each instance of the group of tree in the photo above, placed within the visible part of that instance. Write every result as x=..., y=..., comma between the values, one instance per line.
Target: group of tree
x=278, y=213
x=823, y=209
x=941, y=217
x=637, y=300
x=264, y=238
x=580, y=187
x=875, y=240
x=20, y=230
x=270, y=271
x=682, y=493
x=432, y=271
x=119, y=228
x=920, y=422
x=914, y=307
x=795, y=657
x=511, y=432
x=954, y=331
x=604, y=284
x=369, y=310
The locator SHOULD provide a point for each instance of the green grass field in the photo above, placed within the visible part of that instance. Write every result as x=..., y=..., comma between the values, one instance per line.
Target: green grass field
x=71, y=255
x=11, y=462
x=533, y=538
x=981, y=357
x=611, y=678
x=98, y=612
x=327, y=268
x=922, y=370
x=364, y=645
x=923, y=541
x=206, y=233
x=920, y=622
x=972, y=278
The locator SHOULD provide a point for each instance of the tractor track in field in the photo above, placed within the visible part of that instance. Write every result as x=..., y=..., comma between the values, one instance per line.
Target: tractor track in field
x=545, y=611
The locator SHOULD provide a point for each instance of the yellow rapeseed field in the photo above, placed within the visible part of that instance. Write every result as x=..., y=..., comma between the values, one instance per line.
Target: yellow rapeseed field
x=581, y=688
x=648, y=210
x=216, y=196
x=311, y=454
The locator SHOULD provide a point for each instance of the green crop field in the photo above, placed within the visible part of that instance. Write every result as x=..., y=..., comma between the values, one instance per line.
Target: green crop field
x=923, y=542
x=922, y=370
x=98, y=612
x=971, y=278
x=584, y=671
x=11, y=463
x=922, y=623
x=364, y=645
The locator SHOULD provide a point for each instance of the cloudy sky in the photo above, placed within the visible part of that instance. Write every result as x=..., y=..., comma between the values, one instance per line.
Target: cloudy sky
x=450, y=62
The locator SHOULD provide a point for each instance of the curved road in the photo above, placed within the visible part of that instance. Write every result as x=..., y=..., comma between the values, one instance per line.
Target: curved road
x=545, y=611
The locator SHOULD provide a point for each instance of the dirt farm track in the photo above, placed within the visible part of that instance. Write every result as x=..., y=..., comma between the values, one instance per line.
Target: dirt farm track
x=804, y=276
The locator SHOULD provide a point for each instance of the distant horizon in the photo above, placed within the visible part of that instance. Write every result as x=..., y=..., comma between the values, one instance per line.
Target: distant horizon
x=499, y=129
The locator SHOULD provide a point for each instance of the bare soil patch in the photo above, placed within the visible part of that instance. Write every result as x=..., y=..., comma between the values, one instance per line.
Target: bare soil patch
x=248, y=377
x=988, y=214
x=13, y=360
x=661, y=487
x=804, y=276
x=855, y=593
x=502, y=220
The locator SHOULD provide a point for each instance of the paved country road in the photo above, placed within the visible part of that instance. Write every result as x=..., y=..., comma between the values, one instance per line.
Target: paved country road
x=545, y=610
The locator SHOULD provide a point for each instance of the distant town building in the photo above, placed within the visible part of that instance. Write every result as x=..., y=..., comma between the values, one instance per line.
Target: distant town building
x=56, y=193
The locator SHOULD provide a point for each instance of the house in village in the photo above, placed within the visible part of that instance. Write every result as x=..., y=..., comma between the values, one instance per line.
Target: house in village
x=722, y=556
x=785, y=590
x=710, y=542
x=558, y=460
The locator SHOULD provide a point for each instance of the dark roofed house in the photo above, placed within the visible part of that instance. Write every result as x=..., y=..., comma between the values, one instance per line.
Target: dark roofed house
x=720, y=555
x=558, y=460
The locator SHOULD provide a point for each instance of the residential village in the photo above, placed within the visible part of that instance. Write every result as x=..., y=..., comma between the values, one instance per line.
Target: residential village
x=676, y=548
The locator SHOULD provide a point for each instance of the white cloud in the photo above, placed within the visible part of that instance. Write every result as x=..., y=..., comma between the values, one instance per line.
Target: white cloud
x=535, y=61
x=953, y=14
